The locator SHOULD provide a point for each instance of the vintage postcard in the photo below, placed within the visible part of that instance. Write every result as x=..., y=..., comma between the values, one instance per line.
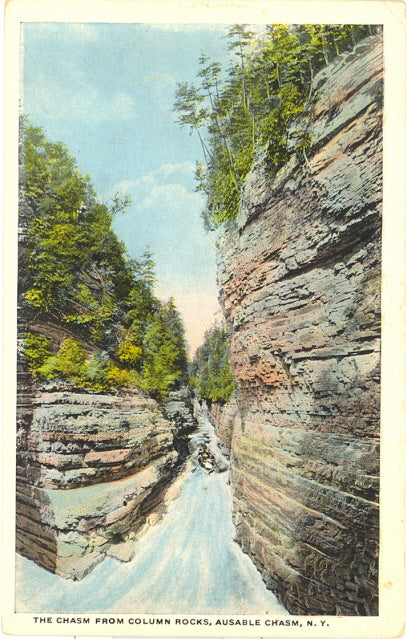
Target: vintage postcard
x=204, y=318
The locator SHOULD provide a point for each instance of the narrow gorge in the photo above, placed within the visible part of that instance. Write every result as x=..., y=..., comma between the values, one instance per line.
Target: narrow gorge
x=111, y=422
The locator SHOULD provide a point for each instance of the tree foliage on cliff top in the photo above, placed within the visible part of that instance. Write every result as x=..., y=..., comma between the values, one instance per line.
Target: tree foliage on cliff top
x=253, y=103
x=79, y=274
x=211, y=373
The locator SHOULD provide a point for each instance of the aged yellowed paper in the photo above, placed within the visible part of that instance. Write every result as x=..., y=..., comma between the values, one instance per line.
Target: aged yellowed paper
x=203, y=397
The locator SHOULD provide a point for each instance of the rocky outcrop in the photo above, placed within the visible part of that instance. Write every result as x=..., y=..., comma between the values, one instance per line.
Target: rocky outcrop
x=299, y=276
x=90, y=468
x=180, y=410
x=224, y=418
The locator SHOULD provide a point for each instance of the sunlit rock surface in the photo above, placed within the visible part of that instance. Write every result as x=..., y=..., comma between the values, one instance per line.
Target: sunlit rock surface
x=299, y=275
x=89, y=468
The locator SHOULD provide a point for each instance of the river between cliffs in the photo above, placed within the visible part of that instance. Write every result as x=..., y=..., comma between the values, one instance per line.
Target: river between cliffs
x=187, y=563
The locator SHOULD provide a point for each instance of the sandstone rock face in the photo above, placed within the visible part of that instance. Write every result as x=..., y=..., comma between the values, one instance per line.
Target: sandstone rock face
x=90, y=468
x=299, y=276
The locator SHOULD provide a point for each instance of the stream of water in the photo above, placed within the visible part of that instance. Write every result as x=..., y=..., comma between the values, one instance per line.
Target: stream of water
x=187, y=563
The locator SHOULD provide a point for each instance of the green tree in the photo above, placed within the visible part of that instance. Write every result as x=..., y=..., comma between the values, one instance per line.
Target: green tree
x=211, y=373
x=165, y=359
x=78, y=269
x=79, y=273
x=37, y=349
x=254, y=102
x=70, y=360
x=176, y=333
x=68, y=363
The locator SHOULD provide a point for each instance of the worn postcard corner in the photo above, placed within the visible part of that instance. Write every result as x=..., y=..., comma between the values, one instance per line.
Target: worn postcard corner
x=204, y=329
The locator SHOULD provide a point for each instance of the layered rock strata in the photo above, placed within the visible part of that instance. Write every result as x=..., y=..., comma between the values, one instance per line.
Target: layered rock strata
x=90, y=468
x=299, y=275
x=180, y=410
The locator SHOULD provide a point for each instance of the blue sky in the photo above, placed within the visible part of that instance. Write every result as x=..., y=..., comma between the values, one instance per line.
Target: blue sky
x=106, y=91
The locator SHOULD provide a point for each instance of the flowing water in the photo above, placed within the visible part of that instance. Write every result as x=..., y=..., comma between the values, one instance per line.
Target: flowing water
x=187, y=563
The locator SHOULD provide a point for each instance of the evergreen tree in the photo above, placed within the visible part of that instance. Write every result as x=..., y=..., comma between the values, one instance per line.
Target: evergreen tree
x=165, y=359
x=211, y=373
x=69, y=233
x=254, y=102
x=79, y=273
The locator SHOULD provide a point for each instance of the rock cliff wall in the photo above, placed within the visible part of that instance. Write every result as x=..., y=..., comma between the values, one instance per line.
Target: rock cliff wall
x=90, y=467
x=299, y=278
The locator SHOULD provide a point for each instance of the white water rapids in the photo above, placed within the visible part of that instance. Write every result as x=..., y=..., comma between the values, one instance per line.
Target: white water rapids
x=187, y=563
